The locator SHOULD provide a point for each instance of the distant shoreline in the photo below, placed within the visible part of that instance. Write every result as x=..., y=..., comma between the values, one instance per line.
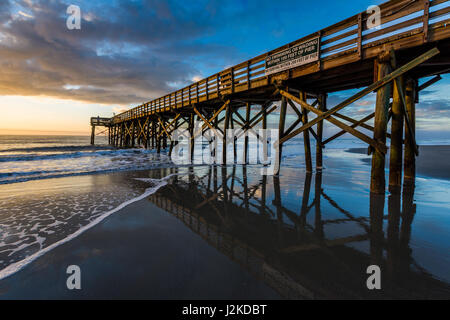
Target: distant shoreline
x=431, y=162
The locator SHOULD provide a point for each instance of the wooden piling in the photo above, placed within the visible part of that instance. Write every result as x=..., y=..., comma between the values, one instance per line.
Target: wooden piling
x=396, y=152
x=378, y=183
x=172, y=143
x=158, y=138
x=410, y=157
x=281, y=124
x=247, y=123
x=319, y=147
x=191, y=134
x=264, y=126
x=133, y=133
x=225, y=128
x=306, y=140
x=92, y=135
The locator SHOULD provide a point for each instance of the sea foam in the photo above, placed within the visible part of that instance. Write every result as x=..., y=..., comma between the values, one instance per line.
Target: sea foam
x=19, y=265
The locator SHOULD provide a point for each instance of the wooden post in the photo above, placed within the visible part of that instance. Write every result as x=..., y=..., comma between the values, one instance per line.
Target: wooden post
x=306, y=140
x=164, y=135
x=319, y=147
x=158, y=138
x=149, y=133
x=153, y=134
x=93, y=135
x=133, y=133
x=396, y=152
x=281, y=125
x=225, y=128
x=410, y=158
x=171, y=141
x=119, y=135
x=264, y=126
x=191, y=133
x=247, y=120
x=378, y=183
x=113, y=136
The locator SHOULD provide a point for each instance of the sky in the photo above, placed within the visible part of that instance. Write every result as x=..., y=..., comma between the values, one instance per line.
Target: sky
x=54, y=79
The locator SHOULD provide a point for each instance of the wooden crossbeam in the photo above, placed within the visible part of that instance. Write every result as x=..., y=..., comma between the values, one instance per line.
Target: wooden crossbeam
x=164, y=128
x=355, y=124
x=292, y=127
x=244, y=122
x=263, y=109
x=294, y=107
x=169, y=125
x=177, y=125
x=128, y=130
x=141, y=131
x=375, y=86
x=207, y=123
x=429, y=83
x=379, y=146
x=313, y=134
x=258, y=121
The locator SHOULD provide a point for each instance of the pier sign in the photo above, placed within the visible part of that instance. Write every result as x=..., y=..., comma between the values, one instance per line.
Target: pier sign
x=298, y=55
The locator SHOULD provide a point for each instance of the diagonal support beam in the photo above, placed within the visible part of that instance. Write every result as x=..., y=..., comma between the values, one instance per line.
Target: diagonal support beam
x=170, y=124
x=294, y=107
x=208, y=123
x=265, y=107
x=356, y=124
x=379, y=146
x=257, y=121
x=163, y=127
x=429, y=83
x=219, y=136
x=375, y=86
x=142, y=128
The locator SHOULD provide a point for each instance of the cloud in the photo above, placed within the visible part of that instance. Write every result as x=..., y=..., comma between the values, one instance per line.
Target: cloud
x=127, y=52
x=25, y=14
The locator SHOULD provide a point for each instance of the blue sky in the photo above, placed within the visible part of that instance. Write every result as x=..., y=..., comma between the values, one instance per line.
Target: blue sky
x=129, y=52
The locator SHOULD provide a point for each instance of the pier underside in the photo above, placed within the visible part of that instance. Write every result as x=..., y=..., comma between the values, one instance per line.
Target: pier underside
x=388, y=60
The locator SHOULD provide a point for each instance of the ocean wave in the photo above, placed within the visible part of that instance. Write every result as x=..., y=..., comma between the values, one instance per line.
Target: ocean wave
x=24, y=176
x=78, y=154
x=57, y=148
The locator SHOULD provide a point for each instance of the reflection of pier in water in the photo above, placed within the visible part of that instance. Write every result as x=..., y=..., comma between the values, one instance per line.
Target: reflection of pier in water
x=291, y=255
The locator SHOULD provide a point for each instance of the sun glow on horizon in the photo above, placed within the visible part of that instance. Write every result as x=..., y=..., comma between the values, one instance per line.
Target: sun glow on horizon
x=41, y=115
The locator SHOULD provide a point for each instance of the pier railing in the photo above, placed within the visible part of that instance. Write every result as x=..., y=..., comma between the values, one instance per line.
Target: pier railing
x=404, y=23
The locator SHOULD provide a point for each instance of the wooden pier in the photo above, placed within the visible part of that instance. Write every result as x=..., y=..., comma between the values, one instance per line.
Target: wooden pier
x=411, y=43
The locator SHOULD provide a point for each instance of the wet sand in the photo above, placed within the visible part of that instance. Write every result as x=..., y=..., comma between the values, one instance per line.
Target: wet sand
x=139, y=253
x=433, y=161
